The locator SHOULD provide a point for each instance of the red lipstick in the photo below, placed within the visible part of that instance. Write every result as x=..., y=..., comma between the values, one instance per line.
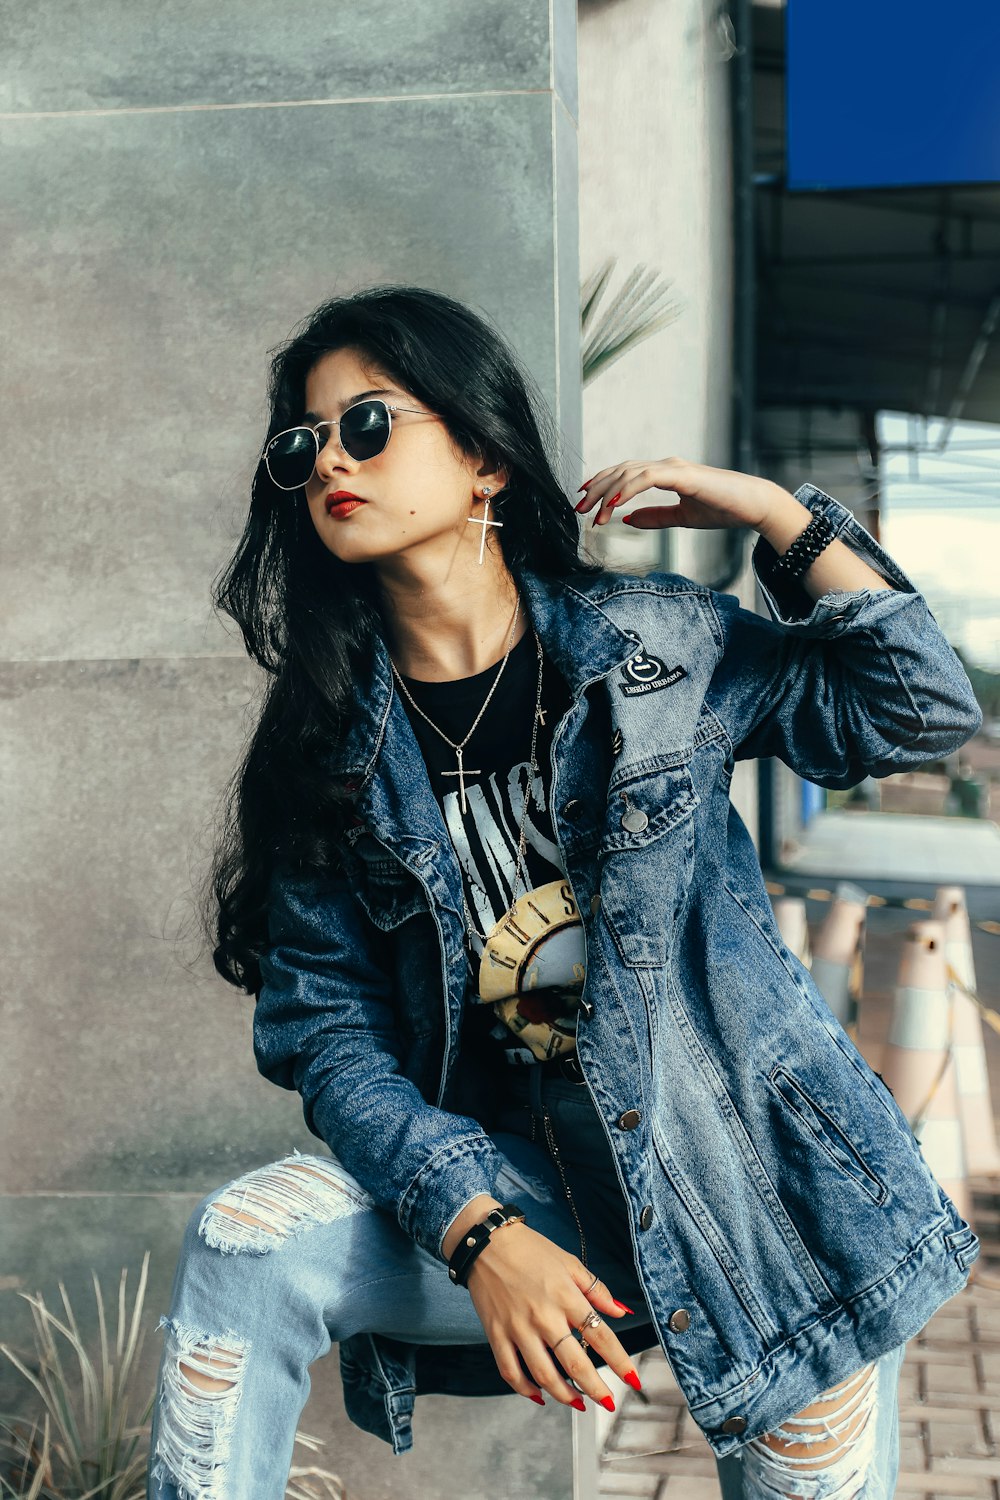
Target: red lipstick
x=342, y=502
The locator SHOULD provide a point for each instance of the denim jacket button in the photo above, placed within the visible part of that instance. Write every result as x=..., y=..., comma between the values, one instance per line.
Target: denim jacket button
x=679, y=1321
x=735, y=1424
x=587, y=1007
x=635, y=820
x=646, y=1217
x=572, y=808
x=630, y=1119
x=595, y=904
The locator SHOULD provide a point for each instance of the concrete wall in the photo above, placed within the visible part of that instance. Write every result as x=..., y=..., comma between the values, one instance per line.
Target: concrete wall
x=656, y=188
x=184, y=183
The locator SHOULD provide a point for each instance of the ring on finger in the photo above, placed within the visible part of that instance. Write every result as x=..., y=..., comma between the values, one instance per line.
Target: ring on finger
x=555, y=1346
x=592, y=1320
x=591, y=1286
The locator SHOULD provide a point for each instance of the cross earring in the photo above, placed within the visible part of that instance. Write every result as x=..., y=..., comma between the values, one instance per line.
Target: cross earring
x=484, y=521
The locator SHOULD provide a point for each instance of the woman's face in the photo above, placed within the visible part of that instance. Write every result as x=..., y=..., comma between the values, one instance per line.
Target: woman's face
x=417, y=492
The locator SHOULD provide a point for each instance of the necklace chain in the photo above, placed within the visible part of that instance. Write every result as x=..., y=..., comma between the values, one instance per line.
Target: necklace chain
x=519, y=870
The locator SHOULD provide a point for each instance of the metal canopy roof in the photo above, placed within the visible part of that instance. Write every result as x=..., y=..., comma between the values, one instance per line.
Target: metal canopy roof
x=871, y=299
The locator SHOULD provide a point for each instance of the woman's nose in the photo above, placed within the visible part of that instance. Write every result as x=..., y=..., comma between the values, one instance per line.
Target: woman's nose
x=331, y=458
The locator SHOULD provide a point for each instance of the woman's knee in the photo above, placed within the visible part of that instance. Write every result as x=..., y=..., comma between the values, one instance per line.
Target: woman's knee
x=256, y=1213
x=833, y=1438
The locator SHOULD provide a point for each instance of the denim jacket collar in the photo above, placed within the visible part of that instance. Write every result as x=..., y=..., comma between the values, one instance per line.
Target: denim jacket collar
x=582, y=640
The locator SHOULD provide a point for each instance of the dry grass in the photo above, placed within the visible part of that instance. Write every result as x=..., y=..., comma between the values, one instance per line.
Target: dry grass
x=83, y=1445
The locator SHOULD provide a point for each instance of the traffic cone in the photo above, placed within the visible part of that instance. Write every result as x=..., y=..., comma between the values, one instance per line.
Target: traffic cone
x=838, y=953
x=919, y=1067
x=975, y=1107
x=790, y=915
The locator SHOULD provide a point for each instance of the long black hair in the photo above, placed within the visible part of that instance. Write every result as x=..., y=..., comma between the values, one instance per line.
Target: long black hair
x=308, y=618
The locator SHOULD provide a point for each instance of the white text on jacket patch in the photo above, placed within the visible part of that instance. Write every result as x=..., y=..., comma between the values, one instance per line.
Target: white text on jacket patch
x=646, y=674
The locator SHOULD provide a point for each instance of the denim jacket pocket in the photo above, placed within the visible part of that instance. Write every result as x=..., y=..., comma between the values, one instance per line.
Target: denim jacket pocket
x=827, y=1134
x=386, y=890
x=647, y=857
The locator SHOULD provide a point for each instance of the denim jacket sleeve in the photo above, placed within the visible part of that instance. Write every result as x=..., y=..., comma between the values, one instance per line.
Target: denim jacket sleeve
x=858, y=682
x=324, y=1025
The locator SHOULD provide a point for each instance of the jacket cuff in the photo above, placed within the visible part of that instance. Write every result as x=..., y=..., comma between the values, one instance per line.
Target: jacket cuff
x=791, y=605
x=452, y=1177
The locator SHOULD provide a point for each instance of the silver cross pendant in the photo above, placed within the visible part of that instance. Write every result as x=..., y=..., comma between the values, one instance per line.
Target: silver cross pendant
x=461, y=773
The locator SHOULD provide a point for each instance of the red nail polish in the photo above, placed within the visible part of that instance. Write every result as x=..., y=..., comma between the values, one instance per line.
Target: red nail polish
x=632, y=1379
x=622, y=1306
x=583, y=502
x=608, y=1402
x=579, y=1404
x=615, y=497
x=537, y=1399
x=627, y=520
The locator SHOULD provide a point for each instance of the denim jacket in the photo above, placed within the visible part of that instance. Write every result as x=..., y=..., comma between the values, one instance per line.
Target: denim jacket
x=773, y=1187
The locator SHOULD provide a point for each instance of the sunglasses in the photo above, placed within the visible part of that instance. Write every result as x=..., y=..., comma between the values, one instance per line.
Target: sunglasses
x=364, y=429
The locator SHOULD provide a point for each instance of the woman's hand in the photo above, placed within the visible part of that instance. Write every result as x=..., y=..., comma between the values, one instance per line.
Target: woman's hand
x=529, y=1293
x=707, y=497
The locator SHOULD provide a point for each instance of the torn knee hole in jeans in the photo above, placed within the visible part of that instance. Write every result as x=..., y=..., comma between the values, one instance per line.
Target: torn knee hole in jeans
x=203, y=1378
x=266, y=1206
x=832, y=1439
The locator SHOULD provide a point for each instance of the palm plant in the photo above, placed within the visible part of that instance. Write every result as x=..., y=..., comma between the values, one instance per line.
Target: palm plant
x=636, y=312
x=88, y=1448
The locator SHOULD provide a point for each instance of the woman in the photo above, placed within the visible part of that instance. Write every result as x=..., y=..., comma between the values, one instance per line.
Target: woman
x=511, y=943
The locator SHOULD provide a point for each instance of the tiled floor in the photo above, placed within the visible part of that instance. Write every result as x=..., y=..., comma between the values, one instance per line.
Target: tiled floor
x=949, y=1404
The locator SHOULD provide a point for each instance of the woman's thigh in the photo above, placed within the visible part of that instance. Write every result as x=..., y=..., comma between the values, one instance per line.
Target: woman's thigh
x=298, y=1240
x=843, y=1446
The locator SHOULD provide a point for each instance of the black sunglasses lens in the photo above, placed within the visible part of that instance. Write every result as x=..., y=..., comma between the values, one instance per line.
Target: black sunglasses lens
x=364, y=429
x=291, y=457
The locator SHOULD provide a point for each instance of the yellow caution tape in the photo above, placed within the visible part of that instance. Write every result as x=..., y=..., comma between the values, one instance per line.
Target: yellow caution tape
x=903, y=903
x=989, y=1015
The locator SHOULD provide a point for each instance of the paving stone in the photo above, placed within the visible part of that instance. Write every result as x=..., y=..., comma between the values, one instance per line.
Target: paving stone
x=989, y=1468
x=939, y=1354
x=958, y=1435
x=917, y=1410
x=952, y=1377
x=629, y=1486
x=690, y=1487
x=943, y=1485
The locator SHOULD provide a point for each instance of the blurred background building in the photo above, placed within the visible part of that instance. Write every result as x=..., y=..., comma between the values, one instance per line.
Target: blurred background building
x=183, y=184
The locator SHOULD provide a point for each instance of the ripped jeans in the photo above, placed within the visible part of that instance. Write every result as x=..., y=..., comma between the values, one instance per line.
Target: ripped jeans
x=281, y=1263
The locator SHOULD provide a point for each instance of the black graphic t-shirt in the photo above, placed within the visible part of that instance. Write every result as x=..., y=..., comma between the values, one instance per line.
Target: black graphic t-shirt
x=527, y=976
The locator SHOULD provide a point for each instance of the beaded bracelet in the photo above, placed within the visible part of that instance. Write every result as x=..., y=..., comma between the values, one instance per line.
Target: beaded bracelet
x=806, y=548
x=478, y=1237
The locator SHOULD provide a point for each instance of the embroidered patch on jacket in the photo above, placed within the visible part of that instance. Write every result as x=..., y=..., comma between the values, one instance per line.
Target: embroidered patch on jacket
x=646, y=674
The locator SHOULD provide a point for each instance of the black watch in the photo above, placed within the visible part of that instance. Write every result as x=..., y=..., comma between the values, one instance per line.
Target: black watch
x=478, y=1237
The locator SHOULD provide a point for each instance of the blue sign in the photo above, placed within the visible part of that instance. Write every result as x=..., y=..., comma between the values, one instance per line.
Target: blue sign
x=892, y=93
